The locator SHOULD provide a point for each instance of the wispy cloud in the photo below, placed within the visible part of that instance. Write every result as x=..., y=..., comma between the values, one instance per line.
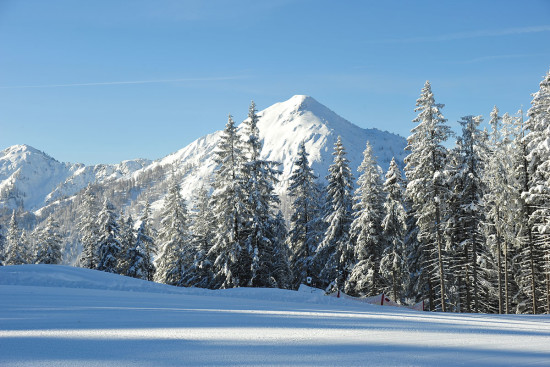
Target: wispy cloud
x=155, y=81
x=468, y=35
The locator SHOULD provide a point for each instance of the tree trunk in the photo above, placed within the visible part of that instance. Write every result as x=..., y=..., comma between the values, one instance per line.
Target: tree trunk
x=440, y=256
x=506, y=296
x=467, y=280
x=499, y=263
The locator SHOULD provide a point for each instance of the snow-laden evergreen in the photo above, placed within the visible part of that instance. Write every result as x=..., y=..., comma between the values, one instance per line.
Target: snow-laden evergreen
x=175, y=255
x=227, y=206
x=48, y=248
x=200, y=274
x=88, y=228
x=537, y=195
x=305, y=223
x=262, y=243
x=469, y=188
x=16, y=250
x=393, y=264
x=335, y=254
x=109, y=248
x=426, y=188
x=140, y=256
x=366, y=230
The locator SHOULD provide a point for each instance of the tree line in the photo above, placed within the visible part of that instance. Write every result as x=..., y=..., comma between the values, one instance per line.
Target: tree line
x=465, y=228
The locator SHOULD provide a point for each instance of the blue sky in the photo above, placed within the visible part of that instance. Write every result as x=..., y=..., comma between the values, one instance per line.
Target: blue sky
x=103, y=81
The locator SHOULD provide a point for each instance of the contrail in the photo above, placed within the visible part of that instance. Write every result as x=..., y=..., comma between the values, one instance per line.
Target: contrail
x=468, y=35
x=208, y=79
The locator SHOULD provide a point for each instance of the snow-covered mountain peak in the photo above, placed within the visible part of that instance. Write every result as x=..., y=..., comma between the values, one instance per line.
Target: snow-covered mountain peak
x=31, y=178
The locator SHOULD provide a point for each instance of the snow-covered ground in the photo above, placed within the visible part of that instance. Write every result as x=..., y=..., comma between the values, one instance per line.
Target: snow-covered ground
x=63, y=316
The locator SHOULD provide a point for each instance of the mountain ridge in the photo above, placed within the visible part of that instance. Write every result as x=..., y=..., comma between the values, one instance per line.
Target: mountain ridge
x=283, y=126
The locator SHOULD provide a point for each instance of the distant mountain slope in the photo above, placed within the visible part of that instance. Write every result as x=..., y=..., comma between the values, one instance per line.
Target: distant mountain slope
x=33, y=179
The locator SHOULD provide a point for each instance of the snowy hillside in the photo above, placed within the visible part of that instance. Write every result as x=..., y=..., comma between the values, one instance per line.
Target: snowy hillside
x=33, y=178
x=63, y=316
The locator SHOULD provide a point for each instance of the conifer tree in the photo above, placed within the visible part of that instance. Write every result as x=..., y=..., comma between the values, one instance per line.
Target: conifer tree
x=537, y=192
x=140, y=262
x=366, y=229
x=426, y=190
x=528, y=258
x=393, y=265
x=127, y=241
x=228, y=208
x=15, y=251
x=49, y=243
x=304, y=234
x=471, y=155
x=335, y=253
x=200, y=274
x=175, y=254
x=261, y=241
x=88, y=228
x=109, y=247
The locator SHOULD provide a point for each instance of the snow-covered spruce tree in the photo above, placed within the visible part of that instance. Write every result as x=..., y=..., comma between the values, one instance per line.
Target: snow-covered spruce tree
x=202, y=233
x=88, y=228
x=48, y=247
x=175, y=251
x=468, y=189
x=262, y=223
x=393, y=265
x=227, y=206
x=15, y=251
x=335, y=254
x=127, y=241
x=366, y=231
x=426, y=190
x=537, y=194
x=303, y=236
x=510, y=210
x=499, y=201
x=529, y=255
x=108, y=244
x=419, y=288
x=140, y=262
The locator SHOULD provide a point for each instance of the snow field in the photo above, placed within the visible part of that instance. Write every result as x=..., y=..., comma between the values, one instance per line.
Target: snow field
x=63, y=316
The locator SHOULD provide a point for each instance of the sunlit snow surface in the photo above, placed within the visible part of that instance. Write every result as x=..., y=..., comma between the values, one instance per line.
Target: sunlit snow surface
x=63, y=316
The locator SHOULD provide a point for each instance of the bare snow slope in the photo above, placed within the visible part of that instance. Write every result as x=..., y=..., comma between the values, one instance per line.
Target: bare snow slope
x=63, y=316
x=34, y=179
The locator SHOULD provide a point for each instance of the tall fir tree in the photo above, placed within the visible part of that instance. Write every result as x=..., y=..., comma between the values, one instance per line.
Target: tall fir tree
x=393, y=265
x=140, y=256
x=537, y=192
x=88, y=228
x=335, y=254
x=262, y=222
x=127, y=241
x=15, y=247
x=469, y=189
x=228, y=208
x=200, y=274
x=305, y=230
x=48, y=248
x=426, y=189
x=366, y=230
x=109, y=247
x=175, y=255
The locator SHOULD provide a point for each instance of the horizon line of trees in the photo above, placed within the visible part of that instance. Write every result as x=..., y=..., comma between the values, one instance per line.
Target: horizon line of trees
x=467, y=228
